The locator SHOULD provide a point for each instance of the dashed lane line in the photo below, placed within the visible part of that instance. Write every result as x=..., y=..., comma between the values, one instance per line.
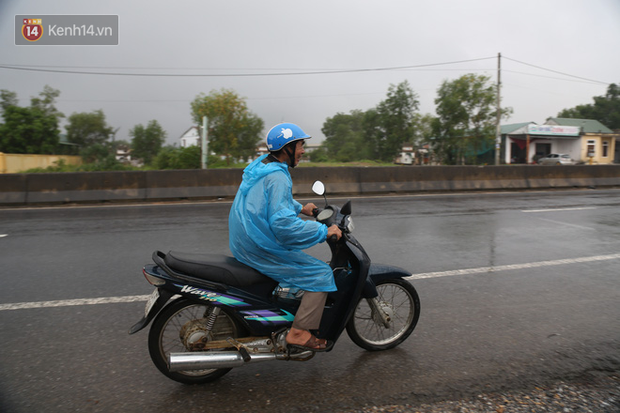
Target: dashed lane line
x=452, y=273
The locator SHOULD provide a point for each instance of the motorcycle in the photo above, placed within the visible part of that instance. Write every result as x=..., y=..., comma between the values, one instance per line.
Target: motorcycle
x=212, y=313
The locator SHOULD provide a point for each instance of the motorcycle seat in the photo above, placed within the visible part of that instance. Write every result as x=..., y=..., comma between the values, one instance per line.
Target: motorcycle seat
x=217, y=268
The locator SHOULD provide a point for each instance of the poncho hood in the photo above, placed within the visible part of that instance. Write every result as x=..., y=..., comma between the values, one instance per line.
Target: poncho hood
x=258, y=170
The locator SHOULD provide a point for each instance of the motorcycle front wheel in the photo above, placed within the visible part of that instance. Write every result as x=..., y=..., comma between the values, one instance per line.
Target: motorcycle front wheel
x=400, y=302
x=182, y=326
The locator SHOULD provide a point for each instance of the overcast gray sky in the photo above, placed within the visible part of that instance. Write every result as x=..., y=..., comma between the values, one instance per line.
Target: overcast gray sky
x=259, y=38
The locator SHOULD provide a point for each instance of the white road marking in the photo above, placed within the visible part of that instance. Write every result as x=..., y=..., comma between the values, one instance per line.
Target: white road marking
x=69, y=303
x=4, y=235
x=452, y=273
x=499, y=268
x=562, y=209
x=557, y=209
x=567, y=224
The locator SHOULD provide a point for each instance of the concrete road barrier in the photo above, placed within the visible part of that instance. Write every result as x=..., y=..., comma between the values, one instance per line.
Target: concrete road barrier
x=58, y=188
x=83, y=187
x=192, y=184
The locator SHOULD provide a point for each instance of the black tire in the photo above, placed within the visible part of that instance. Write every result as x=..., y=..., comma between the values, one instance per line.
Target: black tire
x=166, y=336
x=402, y=301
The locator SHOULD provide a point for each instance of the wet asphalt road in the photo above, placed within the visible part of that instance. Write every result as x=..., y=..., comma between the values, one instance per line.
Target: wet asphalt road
x=553, y=314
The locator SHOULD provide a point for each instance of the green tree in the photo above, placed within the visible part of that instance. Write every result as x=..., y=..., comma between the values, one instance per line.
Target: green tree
x=423, y=128
x=423, y=134
x=91, y=132
x=605, y=109
x=28, y=130
x=319, y=155
x=344, y=137
x=178, y=158
x=147, y=141
x=392, y=122
x=7, y=99
x=165, y=158
x=31, y=129
x=86, y=129
x=233, y=130
x=466, y=122
x=46, y=102
x=249, y=136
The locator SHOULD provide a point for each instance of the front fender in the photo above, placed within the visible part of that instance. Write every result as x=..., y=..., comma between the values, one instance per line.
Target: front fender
x=378, y=273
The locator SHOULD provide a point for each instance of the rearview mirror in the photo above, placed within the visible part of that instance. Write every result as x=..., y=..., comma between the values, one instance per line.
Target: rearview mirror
x=318, y=188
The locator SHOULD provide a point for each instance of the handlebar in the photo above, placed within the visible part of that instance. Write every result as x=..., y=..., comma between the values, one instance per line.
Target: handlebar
x=328, y=216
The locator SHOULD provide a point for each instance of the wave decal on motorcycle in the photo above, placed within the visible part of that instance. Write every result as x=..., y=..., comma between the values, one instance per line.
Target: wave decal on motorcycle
x=212, y=296
x=268, y=316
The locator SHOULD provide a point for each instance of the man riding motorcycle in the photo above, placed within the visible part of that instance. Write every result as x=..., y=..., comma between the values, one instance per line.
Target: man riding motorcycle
x=267, y=234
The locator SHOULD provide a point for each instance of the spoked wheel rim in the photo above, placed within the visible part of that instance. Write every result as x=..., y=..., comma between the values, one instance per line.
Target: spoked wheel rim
x=398, y=303
x=173, y=337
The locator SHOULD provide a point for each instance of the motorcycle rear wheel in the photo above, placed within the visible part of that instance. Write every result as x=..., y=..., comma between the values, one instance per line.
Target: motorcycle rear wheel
x=400, y=300
x=169, y=334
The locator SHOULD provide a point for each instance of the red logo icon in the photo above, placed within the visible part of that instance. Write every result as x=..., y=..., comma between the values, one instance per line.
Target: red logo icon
x=32, y=29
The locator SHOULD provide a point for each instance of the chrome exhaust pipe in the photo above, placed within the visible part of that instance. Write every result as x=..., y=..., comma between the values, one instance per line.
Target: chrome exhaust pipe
x=213, y=360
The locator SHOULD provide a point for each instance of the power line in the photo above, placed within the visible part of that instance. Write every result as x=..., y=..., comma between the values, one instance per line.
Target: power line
x=187, y=100
x=255, y=74
x=272, y=71
x=313, y=70
x=551, y=77
x=556, y=71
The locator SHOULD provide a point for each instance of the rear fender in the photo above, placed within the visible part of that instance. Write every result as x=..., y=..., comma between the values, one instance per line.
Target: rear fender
x=163, y=298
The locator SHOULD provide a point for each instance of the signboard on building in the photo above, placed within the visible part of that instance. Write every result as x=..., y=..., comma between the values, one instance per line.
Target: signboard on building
x=553, y=130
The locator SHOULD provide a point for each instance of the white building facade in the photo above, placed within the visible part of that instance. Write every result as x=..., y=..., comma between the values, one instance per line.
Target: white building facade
x=191, y=137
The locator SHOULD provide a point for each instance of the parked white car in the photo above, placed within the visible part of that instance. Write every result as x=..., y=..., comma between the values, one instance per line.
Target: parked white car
x=557, y=159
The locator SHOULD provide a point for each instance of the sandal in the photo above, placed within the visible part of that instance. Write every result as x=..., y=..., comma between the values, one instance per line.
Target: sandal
x=320, y=340
x=313, y=344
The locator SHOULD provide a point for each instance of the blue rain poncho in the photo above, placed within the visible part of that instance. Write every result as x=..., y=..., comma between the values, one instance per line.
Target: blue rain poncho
x=267, y=234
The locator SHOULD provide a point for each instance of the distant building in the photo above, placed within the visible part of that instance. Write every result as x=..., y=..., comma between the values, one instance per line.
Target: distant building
x=425, y=155
x=123, y=155
x=191, y=137
x=584, y=140
x=407, y=155
x=598, y=143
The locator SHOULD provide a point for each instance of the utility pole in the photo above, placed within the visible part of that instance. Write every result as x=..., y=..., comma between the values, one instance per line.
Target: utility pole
x=498, y=131
x=204, y=142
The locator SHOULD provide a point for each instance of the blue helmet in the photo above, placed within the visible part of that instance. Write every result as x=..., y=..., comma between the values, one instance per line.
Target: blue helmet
x=283, y=134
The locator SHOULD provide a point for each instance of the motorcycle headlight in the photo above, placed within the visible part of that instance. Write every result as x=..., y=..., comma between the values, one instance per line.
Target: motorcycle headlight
x=348, y=224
